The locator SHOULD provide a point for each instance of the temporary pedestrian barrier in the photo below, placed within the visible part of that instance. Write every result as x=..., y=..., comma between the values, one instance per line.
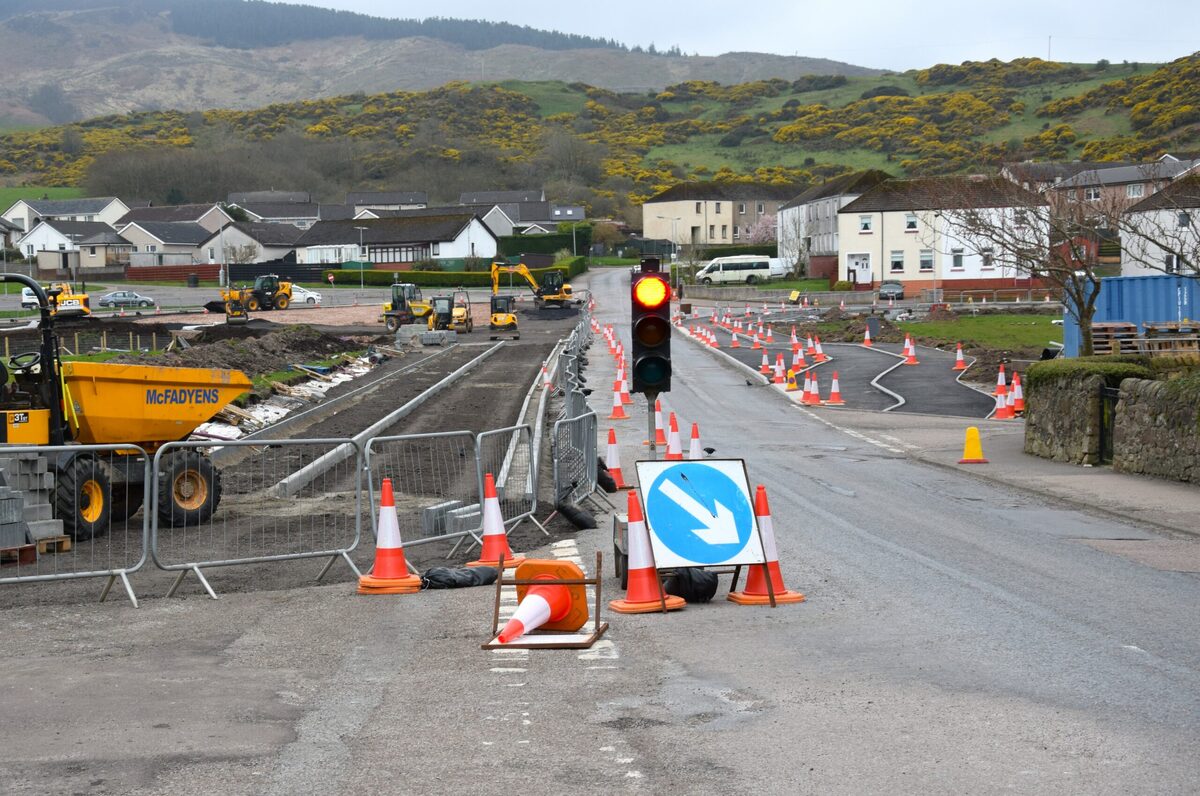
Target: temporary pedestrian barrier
x=507, y=453
x=573, y=446
x=267, y=510
x=75, y=520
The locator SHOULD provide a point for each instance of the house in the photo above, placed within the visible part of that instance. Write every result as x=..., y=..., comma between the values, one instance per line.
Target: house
x=299, y=214
x=54, y=235
x=164, y=242
x=210, y=216
x=806, y=228
x=25, y=213
x=398, y=241
x=386, y=200
x=708, y=213
x=905, y=230
x=1161, y=233
x=500, y=197
x=104, y=250
x=243, y=242
x=1037, y=176
x=9, y=233
x=269, y=197
x=493, y=217
x=332, y=212
x=1108, y=192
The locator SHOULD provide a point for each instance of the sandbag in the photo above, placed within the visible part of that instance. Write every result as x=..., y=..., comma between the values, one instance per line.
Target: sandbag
x=457, y=577
x=605, y=481
x=576, y=516
x=693, y=584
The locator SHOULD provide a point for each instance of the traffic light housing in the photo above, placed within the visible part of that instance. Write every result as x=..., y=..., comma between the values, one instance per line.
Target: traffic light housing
x=650, y=328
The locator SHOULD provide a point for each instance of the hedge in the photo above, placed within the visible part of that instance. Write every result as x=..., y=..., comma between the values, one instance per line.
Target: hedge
x=570, y=267
x=512, y=245
x=765, y=249
x=1112, y=368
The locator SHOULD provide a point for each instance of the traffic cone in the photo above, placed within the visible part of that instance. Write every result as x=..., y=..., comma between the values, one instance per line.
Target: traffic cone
x=495, y=540
x=809, y=348
x=613, y=460
x=798, y=361
x=695, y=453
x=814, y=396
x=756, y=592
x=959, y=362
x=794, y=340
x=618, y=409
x=390, y=574
x=674, y=446
x=842, y=305
x=757, y=345
x=552, y=606
x=1000, y=384
x=867, y=337
x=660, y=436
x=820, y=351
x=835, y=393
x=972, y=448
x=545, y=378
x=712, y=339
x=791, y=381
x=1018, y=394
x=778, y=379
x=770, y=335
x=735, y=343
x=1003, y=412
x=626, y=398
x=765, y=368
x=645, y=593
x=910, y=353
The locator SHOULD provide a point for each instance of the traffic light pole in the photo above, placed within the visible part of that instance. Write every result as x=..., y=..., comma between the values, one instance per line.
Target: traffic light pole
x=651, y=398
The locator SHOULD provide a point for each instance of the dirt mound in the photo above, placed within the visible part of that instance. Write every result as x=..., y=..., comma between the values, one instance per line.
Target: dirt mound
x=270, y=352
x=942, y=313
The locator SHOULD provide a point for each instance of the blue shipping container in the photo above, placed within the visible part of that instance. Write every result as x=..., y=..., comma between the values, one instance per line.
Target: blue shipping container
x=1138, y=300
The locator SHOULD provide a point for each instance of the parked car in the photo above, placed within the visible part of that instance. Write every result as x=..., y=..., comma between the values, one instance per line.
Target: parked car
x=125, y=298
x=28, y=299
x=304, y=294
x=891, y=289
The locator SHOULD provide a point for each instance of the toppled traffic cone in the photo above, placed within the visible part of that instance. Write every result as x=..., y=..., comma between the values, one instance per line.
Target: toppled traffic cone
x=674, y=445
x=959, y=362
x=756, y=592
x=612, y=461
x=645, y=593
x=618, y=409
x=972, y=448
x=695, y=452
x=390, y=574
x=835, y=392
x=495, y=540
x=548, y=606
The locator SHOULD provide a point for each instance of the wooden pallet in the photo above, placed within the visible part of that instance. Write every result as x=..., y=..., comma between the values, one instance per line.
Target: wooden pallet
x=1115, y=338
x=53, y=544
x=24, y=555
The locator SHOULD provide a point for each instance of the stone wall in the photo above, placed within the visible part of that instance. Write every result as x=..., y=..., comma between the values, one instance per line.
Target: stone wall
x=1157, y=429
x=1062, y=419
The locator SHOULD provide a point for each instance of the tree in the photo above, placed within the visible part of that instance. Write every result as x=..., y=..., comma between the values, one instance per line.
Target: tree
x=1163, y=232
x=763, y=230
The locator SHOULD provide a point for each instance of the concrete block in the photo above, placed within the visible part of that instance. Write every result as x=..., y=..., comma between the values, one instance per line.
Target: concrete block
x=40, y=511
x=11, y=509
x=13, y=534
x=442, y=338
x=433, y=518
x=464, y=518
x=408, y=331
x=40, y=529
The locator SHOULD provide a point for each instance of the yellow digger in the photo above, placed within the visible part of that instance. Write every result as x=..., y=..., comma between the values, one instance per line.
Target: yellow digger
x=407, y=306
x=45, y=401
x=504, y=317
x=552, y=292
x=452, y=312
x=68, y=303
x=269, y=293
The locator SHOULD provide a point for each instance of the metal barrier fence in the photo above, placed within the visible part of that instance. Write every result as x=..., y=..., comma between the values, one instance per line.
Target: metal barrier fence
x=573, y=450
x=507, y=453
x=102, y=485
x=258, y=516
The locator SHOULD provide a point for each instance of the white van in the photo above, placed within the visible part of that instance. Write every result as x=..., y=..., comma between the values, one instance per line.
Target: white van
x=742, y=268
x=28, y=298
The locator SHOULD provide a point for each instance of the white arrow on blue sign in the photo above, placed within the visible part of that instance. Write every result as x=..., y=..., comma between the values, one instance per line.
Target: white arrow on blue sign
x=699, y=513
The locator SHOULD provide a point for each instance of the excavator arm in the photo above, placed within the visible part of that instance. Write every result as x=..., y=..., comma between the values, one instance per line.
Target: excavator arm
x=520, y=270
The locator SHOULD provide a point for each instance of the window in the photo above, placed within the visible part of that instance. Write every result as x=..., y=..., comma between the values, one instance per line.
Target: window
x=29, y=249
x=741, y=209
x=897, y=261
x=62, y=247
x=956, y=259
x=437, y=248
x=712, y=231
x=989, y=261
x=1184, y=219
x=1135, y=190
x=152, y=248
x=910, y=222
x=699, y=209
x=864, y=223
x=1020, y=218
x=1091, y=194
x=735, y=231
x=724, y=231
x=1071, y=195
x=1171, y=264
x=558, y=212
x=761, y=208
x=926, y=259
x=718, y=210
x=212, y=253
x=91, y=251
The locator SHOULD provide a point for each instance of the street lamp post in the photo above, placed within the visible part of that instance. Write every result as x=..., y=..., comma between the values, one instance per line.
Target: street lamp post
x=674, y=236
x=361, y=284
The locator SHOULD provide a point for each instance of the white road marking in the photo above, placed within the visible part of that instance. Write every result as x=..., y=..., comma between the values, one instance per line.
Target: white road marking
x=857, y=435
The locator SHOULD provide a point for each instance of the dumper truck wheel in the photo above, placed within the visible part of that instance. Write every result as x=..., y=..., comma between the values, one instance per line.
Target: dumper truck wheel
x=282, y=302
x=253, y=305
x=83, y=498
x=392, y=324
x=189, y=489
x=126, y=500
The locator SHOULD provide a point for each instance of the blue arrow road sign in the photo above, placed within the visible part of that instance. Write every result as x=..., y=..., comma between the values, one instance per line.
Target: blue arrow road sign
x=699, y=513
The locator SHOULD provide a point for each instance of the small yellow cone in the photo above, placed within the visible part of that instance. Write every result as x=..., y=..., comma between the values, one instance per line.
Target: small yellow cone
x=972, y=448
x=791, y=381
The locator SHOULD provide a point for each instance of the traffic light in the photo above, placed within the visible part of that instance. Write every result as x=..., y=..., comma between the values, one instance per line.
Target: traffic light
x=651, y=330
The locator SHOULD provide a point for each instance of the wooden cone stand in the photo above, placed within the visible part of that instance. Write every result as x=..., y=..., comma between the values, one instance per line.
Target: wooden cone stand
x=548, y=638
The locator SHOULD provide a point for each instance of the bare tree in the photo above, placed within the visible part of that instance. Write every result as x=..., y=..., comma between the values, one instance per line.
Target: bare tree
x=1162, y=233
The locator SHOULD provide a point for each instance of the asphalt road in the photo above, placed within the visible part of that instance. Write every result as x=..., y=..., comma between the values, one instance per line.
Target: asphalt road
x=958, y=637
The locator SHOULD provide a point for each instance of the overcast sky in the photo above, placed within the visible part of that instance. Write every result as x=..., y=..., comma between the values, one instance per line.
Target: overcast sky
x=886, y=34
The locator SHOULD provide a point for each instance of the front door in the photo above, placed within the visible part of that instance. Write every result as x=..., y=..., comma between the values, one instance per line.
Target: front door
x=858, y=268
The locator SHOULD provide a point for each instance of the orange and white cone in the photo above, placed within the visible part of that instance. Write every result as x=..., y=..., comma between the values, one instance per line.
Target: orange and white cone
x=712, y=339
x=660, y=436
x=842, y=305
x=695, y=453
x=820, y=357
x=867, y=337
x=618, y=408
x=1003, y=412
x=794, y=341
x=756, y=592
x=546, y=384
x=554, y=606
x=814, y=396
x=645, y=593
x=959, y=362
x=626, y=398
x=495, y=540
x=798, y=361
x=735, y=343
x=770, y=335
x=910, y=352
x=778, y=378
x=765, y=367
x=674, y=445
x=757, y=344
x=835, y=393
x=390, y=574
x=1000, y=383
x=1018, y=394
x=809, y=348
x=613, y=460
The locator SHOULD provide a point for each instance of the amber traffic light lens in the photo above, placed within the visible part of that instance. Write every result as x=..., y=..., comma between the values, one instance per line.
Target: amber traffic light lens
x=651, y=331
x=651, y=292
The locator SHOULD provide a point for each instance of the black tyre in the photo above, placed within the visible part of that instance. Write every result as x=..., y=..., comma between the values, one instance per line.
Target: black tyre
x=252, y=304
x=282, y=302
x=83, y=498
x=189, y=489
x=127, y=498
x=143, y=304
x=706, y=281
x=310, y=300
x=750, y=280
x=392, y=324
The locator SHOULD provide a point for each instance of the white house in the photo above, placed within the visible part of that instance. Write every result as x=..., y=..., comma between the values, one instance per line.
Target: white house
x=399, y=240
x=25, y=213
x=164, y=242
x=913, y=231
x=493, y=216
x=52, y=235
x=806, y=228
x=1161, y=233
x=244, y=242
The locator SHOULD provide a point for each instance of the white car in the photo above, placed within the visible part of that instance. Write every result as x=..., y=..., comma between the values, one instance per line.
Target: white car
x=305, y=295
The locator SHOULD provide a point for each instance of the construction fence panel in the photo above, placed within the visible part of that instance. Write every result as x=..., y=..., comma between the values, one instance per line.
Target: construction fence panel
x=73, y=511
x=574, y=456
x=435, y=481
x=506, y=453
x=278, y=501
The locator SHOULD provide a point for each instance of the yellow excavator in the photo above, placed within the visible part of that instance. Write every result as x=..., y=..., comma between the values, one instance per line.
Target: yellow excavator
x=407, y=306
x=69, y=304
x=552, y=292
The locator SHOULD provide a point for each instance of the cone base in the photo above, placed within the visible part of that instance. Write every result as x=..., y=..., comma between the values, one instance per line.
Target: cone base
x=509, y=563
x=913, y=362
x=369, y=584
x=832, y=402
x=963, y=366
x=653, y=606
x=621, y=416
x=973, y=461
x=782, y=598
